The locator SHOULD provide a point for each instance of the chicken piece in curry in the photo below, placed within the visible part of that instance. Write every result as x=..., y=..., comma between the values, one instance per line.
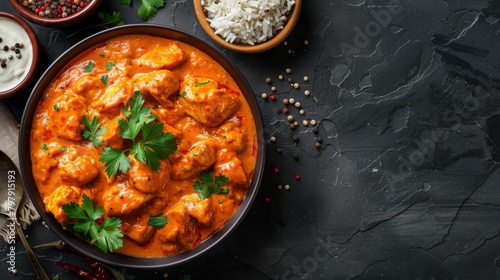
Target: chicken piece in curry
x=100, y=133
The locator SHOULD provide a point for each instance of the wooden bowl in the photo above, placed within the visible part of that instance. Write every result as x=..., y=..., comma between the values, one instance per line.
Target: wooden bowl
x=56, y=22
x=245, y=48
x=29, y=53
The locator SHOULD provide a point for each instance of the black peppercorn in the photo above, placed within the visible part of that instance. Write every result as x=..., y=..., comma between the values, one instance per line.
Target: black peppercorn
x=279, y=150
x=295, y=156
x=295, y=138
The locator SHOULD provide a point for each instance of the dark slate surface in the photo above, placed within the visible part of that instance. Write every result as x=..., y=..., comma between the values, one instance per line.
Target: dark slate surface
x=405, y=183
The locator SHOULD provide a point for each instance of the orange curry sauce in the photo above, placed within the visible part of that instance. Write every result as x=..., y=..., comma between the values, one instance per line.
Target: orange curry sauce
x=196, y=100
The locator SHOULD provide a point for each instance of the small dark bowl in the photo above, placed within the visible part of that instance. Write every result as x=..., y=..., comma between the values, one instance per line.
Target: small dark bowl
x=25, y=158
x=35, y=55
x=56, y=22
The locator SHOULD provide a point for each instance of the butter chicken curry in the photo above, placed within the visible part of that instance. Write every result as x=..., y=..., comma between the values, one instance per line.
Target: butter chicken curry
x=155, y=134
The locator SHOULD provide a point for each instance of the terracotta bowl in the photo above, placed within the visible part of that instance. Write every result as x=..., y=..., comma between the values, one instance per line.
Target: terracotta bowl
x=56, y=22
x=26, y=164
x=32, y=55
x=293, y=17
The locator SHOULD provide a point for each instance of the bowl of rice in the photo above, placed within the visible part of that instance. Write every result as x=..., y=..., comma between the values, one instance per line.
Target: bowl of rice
x=249, y=26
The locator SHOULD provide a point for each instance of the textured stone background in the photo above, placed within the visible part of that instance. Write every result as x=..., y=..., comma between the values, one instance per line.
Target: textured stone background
x=404, y=185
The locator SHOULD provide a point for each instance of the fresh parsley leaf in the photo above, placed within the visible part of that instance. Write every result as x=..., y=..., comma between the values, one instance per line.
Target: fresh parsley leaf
x=158, y=221
x=93, y=131
x=183, y=94
x=125, y=2
x=107, y=235
x=104, y=79
x=210, y=184
x=107, y=20
x=201, y=83
x=149, y=8
x=137, y=117
x=89, y=67
x=154, y=146
x=185, y=277
x=114, y=160
x=150, y=143
x=44, y=147
x=64, y=148
x=56, y=107
x=109, y=65
x=114, y=19
x=110, y=237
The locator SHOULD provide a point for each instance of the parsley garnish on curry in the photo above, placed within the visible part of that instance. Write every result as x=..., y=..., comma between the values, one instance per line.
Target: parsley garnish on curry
x=143, y=146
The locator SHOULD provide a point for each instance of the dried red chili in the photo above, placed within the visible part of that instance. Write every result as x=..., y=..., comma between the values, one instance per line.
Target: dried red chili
x=78, y=271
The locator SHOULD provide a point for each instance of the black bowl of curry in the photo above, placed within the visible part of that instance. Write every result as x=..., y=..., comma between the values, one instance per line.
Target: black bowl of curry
x=142, y=146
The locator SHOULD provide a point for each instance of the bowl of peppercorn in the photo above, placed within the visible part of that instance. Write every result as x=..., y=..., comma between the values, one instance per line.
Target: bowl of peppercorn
x=55, y=13
x=19, y=54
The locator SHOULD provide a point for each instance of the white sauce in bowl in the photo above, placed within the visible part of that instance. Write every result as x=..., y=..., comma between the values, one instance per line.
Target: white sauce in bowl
x=16, y=69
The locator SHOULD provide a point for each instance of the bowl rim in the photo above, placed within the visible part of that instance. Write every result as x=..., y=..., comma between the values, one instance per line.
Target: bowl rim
x=244, y=48
x=59, y=22
x=54, y=70
x=36, y=55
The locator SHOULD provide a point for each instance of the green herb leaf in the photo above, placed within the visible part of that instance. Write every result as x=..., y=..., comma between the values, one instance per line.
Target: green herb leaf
x=104, y=79
x=107, y=235
x=185, y=277
x=137, y=117
x=56, y=107
x=125, y=2
x=114, y=160
x=64, y=148
x=158, y=221
x=202, y=83
x=114, y=19
x=89, y=67
x=93, y=131
x=44, y=147
x=210, y=185
x=149, y=8
x=109, y=65
x=183, y=94
x=150, y=143
x=154, y=146
x=107, y=20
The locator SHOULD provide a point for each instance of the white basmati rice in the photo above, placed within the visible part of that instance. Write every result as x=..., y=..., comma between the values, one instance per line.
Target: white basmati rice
x=247, y=21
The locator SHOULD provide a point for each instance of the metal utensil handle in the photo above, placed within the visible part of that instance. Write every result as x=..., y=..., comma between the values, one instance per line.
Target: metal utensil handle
x=39, y=271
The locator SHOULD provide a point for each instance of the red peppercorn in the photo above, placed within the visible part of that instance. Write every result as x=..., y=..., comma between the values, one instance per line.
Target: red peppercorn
x=267, y=199
x=285, y=110
x=273, y=98
x=297, y=177
x=275, y=169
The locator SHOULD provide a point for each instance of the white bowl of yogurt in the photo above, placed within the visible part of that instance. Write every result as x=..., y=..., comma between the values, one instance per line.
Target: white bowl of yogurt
x=19, y=54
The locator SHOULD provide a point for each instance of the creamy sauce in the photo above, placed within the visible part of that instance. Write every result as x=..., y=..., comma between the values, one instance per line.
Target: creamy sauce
x=177, y=97
x=16, y=69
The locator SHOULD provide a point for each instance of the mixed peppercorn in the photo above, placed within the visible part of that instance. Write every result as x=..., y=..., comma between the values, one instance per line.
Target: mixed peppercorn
x=54, y=8
x=293, y=112
x=16, y=48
